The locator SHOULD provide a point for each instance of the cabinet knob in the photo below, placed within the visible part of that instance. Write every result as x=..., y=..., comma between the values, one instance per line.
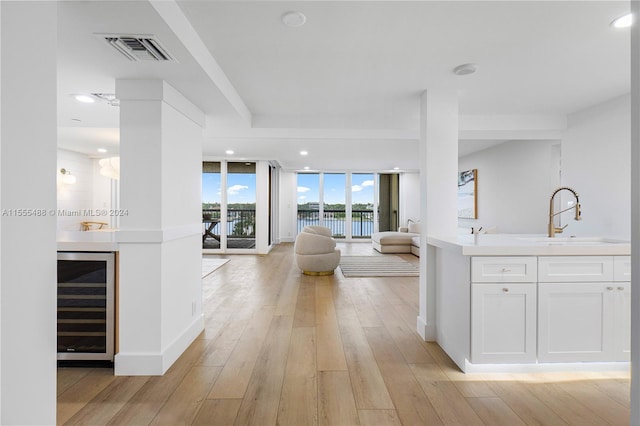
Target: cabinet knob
x=505, y=290
x=505, y=270
x=609, y=288
x=620, y=288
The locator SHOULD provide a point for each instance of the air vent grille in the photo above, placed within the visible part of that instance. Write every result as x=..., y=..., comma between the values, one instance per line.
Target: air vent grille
x=139, y=48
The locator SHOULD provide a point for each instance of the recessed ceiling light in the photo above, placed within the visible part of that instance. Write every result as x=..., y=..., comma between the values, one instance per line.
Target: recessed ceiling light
x=229, y=152
x=624, y=21
x=306, y=167
x=304, y=152
x=465, y=69
x=102, y=150
x=85, y=99
x=294, y=19
x=396, y=168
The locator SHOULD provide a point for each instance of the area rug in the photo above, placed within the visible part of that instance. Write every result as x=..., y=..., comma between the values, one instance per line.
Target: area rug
x=210, y=265
x=377, y=266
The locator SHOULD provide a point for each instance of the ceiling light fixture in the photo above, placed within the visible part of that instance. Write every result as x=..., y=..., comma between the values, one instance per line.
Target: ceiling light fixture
x=85, y=99
x=102, y=150
x=465, y=69
x=304, y=152
x=229, y=152
x=624, y=21
x=396, y=168
x=294, y=19
x=306, y=167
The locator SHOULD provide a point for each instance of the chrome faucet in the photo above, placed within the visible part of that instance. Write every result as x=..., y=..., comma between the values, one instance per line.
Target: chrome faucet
x=552, y=228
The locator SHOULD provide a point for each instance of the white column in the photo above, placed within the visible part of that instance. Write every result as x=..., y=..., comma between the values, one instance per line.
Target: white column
x=28, y=243
x=635, y=215
x=160, y=287
x=263, y=193
x=438, y=190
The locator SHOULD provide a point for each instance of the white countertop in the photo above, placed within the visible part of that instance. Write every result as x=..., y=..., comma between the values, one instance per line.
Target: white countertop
x=97, y=240
x=531, y=245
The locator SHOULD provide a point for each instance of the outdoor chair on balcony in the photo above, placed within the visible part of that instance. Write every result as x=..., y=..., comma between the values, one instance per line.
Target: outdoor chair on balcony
x=316, y=252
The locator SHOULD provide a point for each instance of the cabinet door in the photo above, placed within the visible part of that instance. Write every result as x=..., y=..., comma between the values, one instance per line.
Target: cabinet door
x=575, y=322
x=622, y=321
x=503, y=323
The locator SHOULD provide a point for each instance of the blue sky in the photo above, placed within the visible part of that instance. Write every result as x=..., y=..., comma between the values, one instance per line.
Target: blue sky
x=241, y=188
x=334, y=188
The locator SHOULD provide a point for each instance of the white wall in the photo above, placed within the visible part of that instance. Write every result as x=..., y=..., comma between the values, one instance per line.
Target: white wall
x=515, y=181
x=91, y=192
x=596, y=163
x=409, y=197
x=28, y=243
x=76, y=198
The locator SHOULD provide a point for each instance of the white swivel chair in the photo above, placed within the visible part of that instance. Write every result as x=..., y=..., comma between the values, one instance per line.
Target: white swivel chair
x=316, y=252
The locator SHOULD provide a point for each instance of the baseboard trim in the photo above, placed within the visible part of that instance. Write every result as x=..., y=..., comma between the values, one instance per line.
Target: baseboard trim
x=156, y=364
x=426, y=331
x=548, y=367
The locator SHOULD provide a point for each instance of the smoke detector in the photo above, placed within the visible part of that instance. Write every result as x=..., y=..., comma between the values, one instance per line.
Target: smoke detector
x=138, y=47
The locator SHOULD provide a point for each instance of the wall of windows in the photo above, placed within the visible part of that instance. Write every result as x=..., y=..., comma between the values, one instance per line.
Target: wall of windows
x=343, y=202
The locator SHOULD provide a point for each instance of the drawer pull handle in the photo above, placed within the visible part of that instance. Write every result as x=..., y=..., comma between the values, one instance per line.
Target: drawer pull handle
x=505, y=270
x=505, y=290
x=620, y=288
x=609, y=288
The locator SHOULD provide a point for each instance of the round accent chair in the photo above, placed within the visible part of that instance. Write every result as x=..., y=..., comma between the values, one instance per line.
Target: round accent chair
x=315, y=251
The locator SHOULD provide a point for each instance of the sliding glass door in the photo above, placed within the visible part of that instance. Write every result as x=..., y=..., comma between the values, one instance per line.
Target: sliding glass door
x=228, y=205
x=362, y=204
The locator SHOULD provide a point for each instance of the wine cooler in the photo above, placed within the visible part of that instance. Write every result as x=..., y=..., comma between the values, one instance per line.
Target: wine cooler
x=86, y=306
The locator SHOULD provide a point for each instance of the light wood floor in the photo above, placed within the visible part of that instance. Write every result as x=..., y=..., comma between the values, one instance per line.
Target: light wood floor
x=283, y=348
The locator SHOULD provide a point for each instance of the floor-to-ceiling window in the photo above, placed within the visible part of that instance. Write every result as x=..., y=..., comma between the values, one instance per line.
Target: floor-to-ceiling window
x=228, y=205
x=334, y=203
x=362, y=204
x=308, y=192
x=241, y=205
x=330, y=199
x=211, y=202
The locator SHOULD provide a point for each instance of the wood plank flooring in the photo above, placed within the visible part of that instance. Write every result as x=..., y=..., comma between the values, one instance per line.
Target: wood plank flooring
x=283, y=348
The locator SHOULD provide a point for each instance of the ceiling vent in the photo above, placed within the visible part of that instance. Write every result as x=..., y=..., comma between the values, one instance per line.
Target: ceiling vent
x=138, y=47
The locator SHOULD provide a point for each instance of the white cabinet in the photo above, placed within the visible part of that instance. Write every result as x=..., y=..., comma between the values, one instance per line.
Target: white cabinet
x=503, y=318
x=503, y=309
x=575, y=322
x=583, y=314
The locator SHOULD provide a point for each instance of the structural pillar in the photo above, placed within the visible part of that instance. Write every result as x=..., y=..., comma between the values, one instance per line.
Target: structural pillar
x=160, y=286
x=438, y=190
x=28, y=141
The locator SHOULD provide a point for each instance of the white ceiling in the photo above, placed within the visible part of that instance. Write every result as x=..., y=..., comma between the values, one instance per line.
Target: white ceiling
x=349, y=81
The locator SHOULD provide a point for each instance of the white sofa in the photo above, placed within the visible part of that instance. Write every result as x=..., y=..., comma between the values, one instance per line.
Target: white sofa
x=405, y=240
x=315, y=251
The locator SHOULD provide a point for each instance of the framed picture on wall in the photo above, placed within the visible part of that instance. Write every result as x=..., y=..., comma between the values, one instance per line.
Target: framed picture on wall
x=468, y=194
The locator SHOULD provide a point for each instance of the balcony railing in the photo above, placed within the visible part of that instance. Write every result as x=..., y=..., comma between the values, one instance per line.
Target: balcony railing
x=361, y=222
x=241, y=223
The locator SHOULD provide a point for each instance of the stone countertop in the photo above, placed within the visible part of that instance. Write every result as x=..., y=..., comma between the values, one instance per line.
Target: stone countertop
x=531, y=245
x=98, y=240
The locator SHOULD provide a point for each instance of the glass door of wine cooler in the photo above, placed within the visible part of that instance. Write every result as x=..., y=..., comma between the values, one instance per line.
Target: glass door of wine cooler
x=85, y=306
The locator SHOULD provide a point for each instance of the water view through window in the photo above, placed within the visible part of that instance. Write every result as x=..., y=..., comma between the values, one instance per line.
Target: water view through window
x=237, y=226
x=322, y=200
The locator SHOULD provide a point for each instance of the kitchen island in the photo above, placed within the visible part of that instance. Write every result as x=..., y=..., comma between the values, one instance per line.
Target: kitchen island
x=530, y=303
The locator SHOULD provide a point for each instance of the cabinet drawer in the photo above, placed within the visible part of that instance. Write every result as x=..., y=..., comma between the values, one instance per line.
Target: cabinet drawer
x=622, y=268
x=575, y=268
x=504, y=269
